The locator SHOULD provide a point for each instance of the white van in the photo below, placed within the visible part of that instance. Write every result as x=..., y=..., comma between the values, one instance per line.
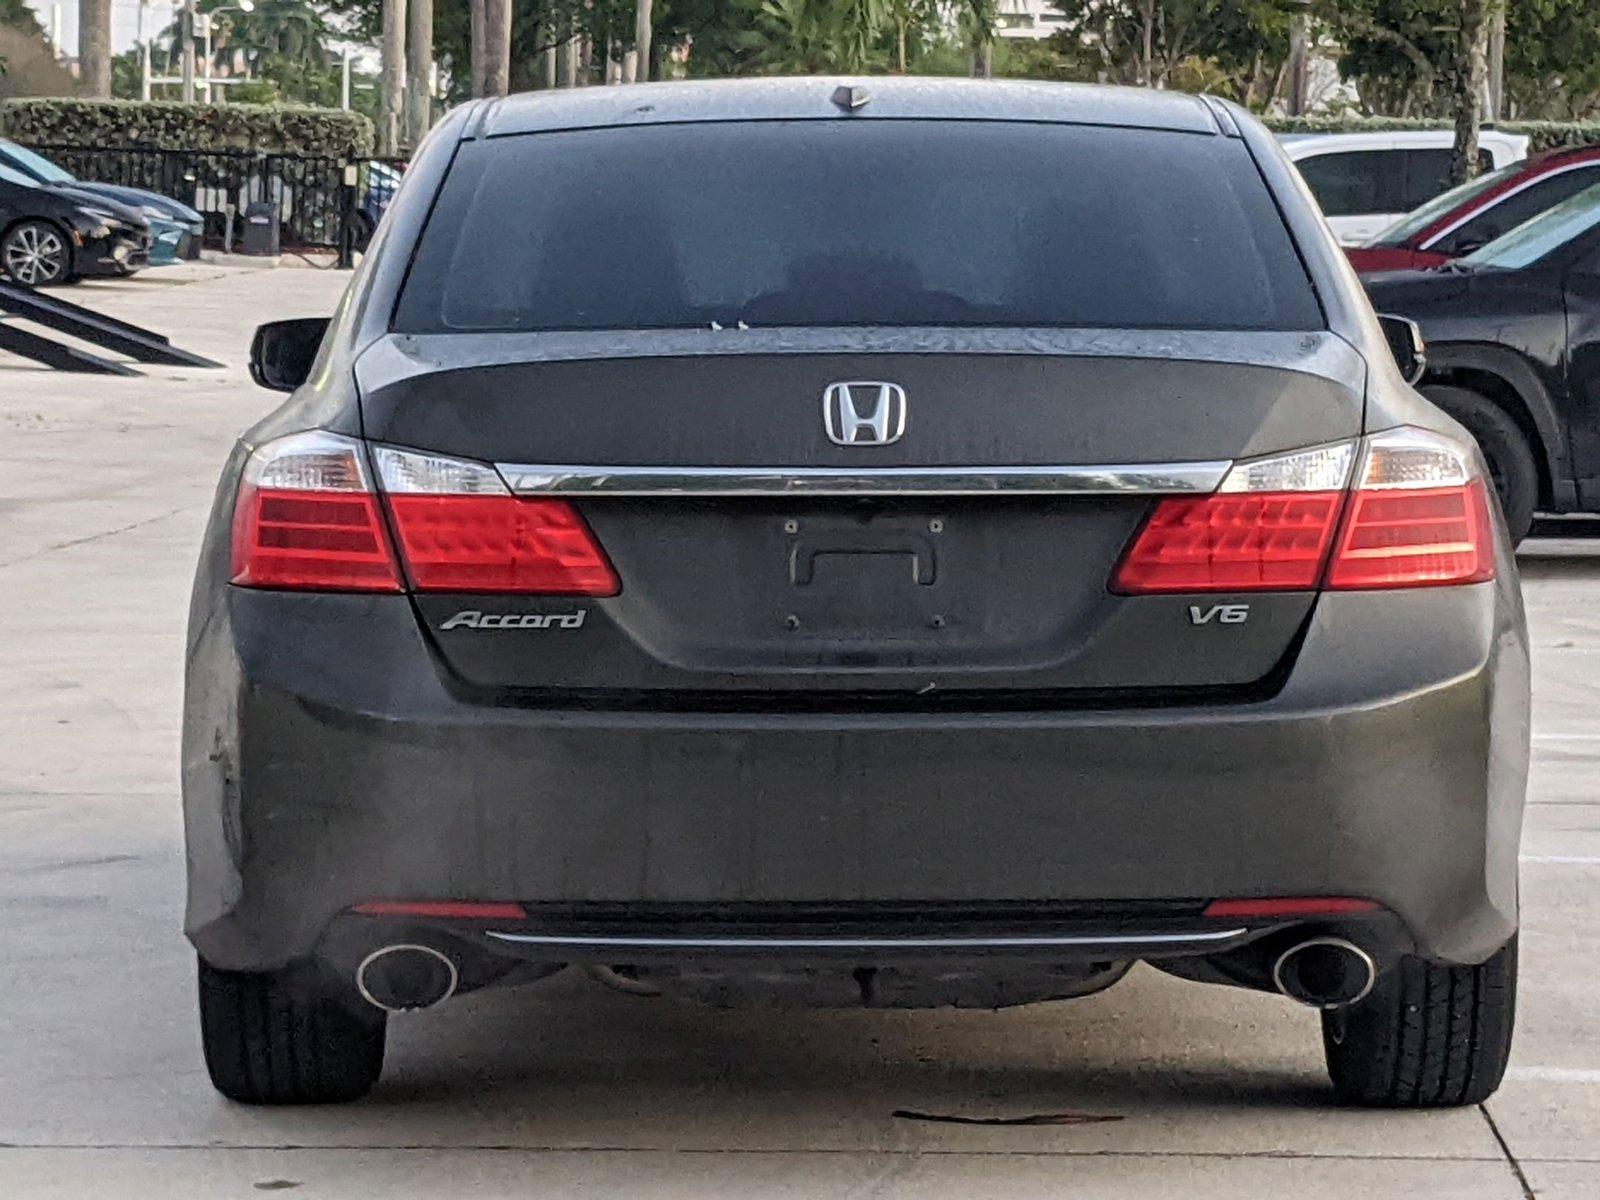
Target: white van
x=1367, y=181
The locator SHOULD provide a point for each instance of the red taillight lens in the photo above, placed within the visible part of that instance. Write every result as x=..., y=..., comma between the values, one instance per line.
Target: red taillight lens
x=1415, y=537
x=1232, y=542
x=490, y=543
x=311, y=541
x=306, y=519
x=1417, y=516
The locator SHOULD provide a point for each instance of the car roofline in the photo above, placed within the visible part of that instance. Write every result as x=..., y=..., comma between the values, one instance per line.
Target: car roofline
x=812, y=98
x=1544, y=169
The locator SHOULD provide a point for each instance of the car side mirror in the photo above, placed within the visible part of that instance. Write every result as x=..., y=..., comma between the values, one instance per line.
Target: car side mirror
x=1405, y=343
x=282, y=352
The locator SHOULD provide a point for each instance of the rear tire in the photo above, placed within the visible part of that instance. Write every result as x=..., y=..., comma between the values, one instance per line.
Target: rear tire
x=287, y=1037
x=1427, y=1036
x=1510, y=458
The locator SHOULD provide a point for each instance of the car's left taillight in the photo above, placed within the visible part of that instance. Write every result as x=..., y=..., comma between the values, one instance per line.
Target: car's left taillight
x=310, y=517
x=306, y=519
x=461, y=530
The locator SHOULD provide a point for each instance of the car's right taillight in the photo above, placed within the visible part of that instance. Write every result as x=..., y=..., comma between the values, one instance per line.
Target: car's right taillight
x=1418, y=516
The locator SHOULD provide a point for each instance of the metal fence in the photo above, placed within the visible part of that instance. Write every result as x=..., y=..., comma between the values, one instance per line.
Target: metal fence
x=321, y=201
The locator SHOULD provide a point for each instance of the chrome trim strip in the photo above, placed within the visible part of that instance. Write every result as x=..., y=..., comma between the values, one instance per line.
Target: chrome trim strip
x=606, y=941
x=540, y=479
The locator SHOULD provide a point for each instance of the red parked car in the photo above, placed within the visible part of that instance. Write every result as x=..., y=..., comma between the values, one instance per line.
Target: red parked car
x=1476, y=212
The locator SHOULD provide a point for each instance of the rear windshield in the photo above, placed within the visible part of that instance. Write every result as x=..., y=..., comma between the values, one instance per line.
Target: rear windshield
x=855, y=222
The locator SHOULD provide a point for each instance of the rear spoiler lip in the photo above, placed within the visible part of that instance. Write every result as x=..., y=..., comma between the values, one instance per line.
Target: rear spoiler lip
x=397, y=357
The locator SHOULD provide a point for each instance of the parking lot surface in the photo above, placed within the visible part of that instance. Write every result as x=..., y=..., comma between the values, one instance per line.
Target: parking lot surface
x=1156, y=1088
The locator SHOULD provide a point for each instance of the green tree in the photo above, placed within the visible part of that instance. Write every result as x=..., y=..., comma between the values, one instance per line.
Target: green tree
x=1553, y=58
x=1234, y=47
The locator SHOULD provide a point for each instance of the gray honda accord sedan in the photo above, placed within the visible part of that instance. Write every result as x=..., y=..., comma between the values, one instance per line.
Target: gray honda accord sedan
x=868, y=542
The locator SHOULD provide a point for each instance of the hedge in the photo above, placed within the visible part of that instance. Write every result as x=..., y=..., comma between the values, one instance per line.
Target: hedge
x=1542, y=135
x=165, y=125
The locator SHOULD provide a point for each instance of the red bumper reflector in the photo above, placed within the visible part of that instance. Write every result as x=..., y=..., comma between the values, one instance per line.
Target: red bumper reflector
x=499, y=544
x=1290, y=906
x=447, y=910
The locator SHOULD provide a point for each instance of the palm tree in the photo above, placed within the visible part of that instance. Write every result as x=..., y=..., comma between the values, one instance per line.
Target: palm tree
x=496, y=47
x=284, y=28
x=641, y=39
x=419, y=70
x=392, y=78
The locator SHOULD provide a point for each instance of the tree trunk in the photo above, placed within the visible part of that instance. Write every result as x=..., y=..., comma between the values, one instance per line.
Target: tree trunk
x=476, y=35
x=496, y=47
x=94, y=47
x=642, y=30
x=1467, y=86
x=900, y=48
x=1299, y=63
x=419, y=70
x=392, y=76
x=567, y=59
x=1497, y=62
x=1147, y=44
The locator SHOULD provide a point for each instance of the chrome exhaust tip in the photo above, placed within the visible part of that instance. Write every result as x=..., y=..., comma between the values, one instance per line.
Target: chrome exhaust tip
x=1325, y=972
x=406, y=976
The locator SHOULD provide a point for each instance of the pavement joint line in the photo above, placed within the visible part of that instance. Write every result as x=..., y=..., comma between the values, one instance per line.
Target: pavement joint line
x=910, y=1151
x=93, y=537
x=1564, y=860
x=1511, y=1159
x=34, y=793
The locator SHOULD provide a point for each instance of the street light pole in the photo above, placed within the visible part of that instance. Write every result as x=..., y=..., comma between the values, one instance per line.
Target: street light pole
x=205, y=85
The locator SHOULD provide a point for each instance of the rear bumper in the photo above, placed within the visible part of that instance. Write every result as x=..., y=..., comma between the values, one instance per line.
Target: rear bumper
x=327, y=763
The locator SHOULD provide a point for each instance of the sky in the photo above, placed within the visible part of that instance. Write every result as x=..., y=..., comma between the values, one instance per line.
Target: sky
x=124, y=21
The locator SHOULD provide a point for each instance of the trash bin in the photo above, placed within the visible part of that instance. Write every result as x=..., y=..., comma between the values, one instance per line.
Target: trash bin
x=262, y=229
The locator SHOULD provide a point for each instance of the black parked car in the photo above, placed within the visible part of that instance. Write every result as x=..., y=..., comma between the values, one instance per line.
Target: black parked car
x=936, y=544
x=52, y=235
x=176, y=229
x=1513, y=350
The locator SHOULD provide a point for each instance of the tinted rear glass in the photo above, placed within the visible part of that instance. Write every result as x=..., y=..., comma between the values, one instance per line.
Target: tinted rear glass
x=856, y=223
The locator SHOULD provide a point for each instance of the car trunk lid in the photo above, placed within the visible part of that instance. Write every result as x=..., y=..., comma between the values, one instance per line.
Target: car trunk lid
x=760, y=560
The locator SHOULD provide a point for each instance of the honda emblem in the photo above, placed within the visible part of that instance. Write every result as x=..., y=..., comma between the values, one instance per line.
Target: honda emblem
x=864, y=414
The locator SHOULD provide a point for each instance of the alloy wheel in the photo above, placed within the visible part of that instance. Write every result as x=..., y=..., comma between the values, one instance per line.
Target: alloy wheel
x=35, y=254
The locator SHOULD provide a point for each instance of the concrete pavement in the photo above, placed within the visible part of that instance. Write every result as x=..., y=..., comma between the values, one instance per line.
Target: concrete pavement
x=565, y=1089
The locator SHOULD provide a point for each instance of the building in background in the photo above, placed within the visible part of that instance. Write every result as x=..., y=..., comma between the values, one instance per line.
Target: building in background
x=1029, y=19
